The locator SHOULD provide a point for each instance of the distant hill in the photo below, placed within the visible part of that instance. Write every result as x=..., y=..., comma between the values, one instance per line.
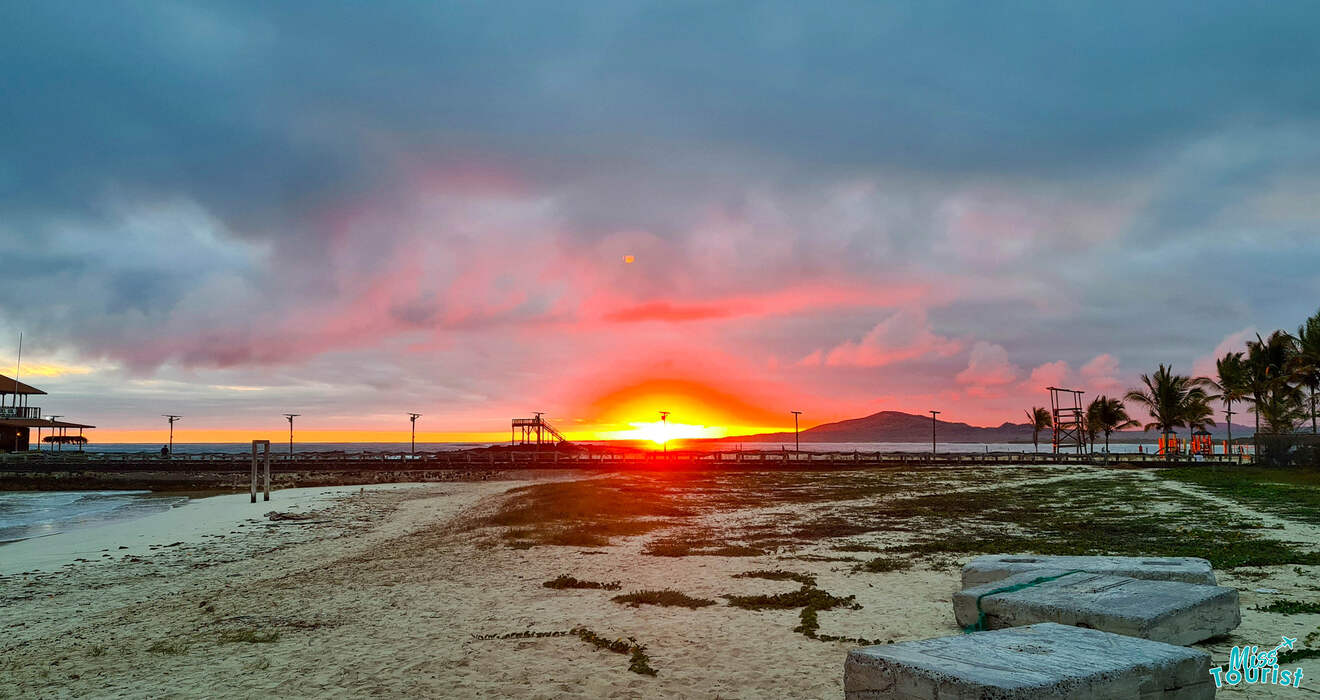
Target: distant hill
x=897, y=426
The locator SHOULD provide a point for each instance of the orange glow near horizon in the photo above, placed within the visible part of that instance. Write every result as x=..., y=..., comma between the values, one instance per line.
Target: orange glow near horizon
x=632, y=412
x=660, y=432
x=628, y=413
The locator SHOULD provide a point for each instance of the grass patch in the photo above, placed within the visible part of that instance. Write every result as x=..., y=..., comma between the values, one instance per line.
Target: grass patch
x=169, y=647
x=882, y=564
x=779, y=575
x=665, y=598
x=1291, y=607
x=249, y=636
x=1292, y=493
x=1105, y=515
x=566, y=581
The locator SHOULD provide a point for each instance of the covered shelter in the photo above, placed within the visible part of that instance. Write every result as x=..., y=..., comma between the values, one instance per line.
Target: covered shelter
x=18, y=418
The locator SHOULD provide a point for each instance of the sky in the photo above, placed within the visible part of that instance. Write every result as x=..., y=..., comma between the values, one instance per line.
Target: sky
x=352, y=210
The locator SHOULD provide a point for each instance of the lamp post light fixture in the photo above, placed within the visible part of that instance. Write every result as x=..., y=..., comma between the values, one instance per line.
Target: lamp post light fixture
x=797, y=445
x=412, y=418
x=171, y=419
x=664, y=420
x=933, y=422
x=291, y=416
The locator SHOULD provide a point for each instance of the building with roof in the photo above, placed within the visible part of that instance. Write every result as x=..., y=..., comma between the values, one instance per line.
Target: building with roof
x=18, y=418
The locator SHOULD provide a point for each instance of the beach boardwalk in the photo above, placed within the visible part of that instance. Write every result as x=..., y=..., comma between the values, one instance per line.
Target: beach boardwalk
x=992, y=567
x=1046, y=660
x=1165, y=611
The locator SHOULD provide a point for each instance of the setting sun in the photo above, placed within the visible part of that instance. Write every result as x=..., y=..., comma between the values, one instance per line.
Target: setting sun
x=660, y=432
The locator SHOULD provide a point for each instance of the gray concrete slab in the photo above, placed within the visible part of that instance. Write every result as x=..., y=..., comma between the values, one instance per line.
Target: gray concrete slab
x=1046, y=660
x=1165, y=611
x=992, y=567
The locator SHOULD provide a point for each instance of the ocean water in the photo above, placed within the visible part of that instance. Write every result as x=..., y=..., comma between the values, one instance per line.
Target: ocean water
x=27, y=514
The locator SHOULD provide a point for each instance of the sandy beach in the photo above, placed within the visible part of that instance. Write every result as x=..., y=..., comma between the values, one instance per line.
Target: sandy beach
x=405, y=591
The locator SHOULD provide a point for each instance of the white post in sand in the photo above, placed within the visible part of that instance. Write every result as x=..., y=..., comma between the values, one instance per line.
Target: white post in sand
x=266, y=463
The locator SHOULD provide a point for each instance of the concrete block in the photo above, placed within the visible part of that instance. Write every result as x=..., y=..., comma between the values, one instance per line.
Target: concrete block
x=1046, y=660
x=992, y=567
x=1165, y=611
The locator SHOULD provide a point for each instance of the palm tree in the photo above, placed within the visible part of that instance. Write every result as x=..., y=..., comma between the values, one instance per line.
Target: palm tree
x=1172, y=400
x=1039, y=419
x=1282, y=409
x=1305, y=364
x=1107, y=415
x=1231, y=383
x=1197, y=412
x=1267, y=360
x=1090, y=428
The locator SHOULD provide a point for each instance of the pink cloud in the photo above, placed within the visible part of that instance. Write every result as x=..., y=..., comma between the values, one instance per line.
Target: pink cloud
x=905, y=335
x=1204, y=366
x=1101, y=376
x=1047, y=375
x=987, y=368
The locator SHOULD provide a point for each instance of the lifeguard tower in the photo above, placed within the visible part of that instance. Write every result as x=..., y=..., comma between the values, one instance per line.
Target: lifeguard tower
x=534, y=431
x=1067, y=416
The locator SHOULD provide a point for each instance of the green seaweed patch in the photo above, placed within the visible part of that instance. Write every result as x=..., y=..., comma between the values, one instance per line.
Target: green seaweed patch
x=809, y=598
x=698, y=542
x=1295, y=655
x=883, y=564
x=565, y=581
x=664, y=597
x=168, y=646
x=779, y=575
x=249, y=636
x=639, y=662
x=1291, y=607
x=855, y=547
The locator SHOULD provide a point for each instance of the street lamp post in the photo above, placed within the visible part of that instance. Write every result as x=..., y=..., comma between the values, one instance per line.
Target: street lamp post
x=1228, y=419
x=59, y=446
x=933, y=422
x=171, y=419
x=664, y=419
x=797, y=446
x=412, y=418
x=291, y=416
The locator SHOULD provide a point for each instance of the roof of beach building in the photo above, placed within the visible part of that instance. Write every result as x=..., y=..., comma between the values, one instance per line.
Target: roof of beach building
x=40, y=423
x=9, y=385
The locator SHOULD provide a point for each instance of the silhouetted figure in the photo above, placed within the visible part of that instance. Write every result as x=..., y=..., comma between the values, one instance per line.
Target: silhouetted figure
x=164, y=451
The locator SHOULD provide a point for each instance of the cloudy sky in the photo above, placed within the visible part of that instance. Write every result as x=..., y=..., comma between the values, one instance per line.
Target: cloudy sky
x=354, y=210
